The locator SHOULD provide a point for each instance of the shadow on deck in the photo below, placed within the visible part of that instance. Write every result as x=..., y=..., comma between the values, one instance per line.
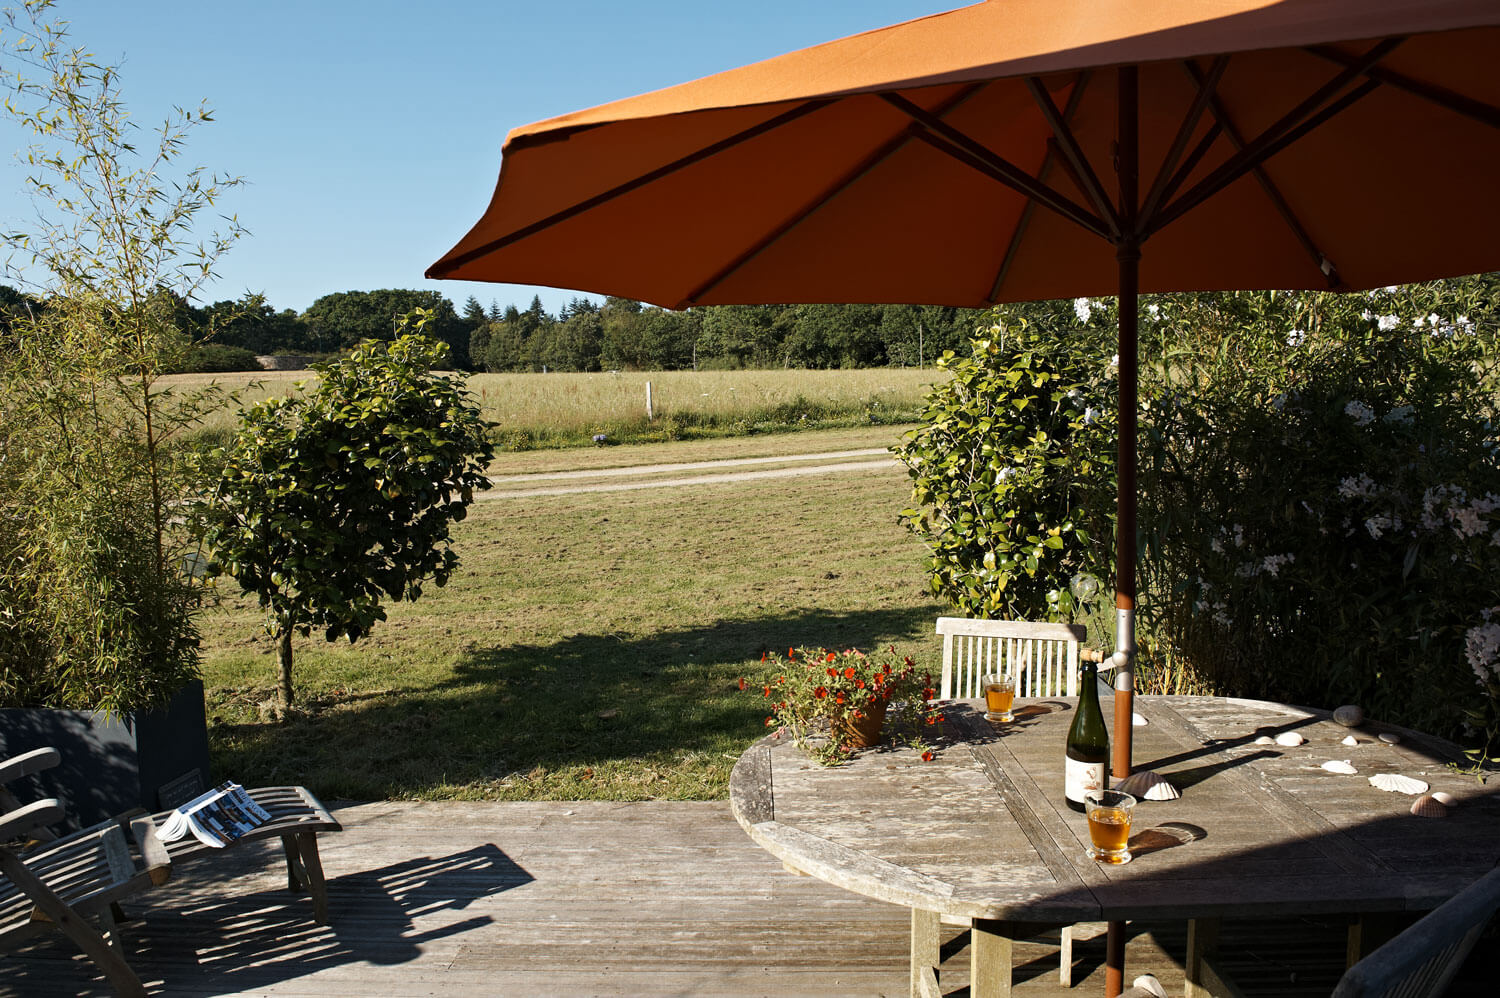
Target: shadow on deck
x=494, y=899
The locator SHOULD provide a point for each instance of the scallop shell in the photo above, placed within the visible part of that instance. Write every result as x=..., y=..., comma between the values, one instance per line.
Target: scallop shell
x=1427, y=807
x=1289, y=738
x=1265, y=740
x=1341, y=766
x=1398, y=784
x=1445, y=799
x=1137, y=721
x=1350, y=715
x=1349, y=740
x=1390, y=738
x=1148, y=785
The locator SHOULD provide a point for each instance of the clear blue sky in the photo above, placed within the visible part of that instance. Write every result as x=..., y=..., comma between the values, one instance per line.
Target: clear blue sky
x=369, y=131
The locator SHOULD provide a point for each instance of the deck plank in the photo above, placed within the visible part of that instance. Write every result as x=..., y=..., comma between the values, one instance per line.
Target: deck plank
x=485, y=899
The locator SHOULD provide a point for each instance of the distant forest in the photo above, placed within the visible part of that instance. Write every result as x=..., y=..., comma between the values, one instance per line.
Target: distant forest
x=619, y=334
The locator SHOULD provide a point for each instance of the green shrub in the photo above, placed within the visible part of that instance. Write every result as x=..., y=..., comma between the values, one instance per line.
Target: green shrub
x=216, y=358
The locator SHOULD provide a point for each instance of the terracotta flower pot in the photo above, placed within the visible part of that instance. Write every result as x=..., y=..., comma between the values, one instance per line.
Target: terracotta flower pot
x=864, y=732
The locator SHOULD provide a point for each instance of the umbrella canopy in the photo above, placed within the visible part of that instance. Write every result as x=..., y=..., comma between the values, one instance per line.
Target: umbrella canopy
x=1301, y=144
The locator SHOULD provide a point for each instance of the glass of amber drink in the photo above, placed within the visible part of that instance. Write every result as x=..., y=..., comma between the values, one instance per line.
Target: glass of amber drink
x=1109, y=813
x=999, y=694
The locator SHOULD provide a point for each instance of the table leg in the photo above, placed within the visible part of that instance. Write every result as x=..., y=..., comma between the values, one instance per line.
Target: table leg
x=1368, y=933
x=925, y=954
x=1202, y=936
x=990, y=958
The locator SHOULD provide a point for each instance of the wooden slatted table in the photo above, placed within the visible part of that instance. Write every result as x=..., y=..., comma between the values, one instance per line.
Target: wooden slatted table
x=1260, y=831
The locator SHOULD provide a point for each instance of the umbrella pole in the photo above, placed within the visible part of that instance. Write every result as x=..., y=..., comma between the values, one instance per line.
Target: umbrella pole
x=1128, y=256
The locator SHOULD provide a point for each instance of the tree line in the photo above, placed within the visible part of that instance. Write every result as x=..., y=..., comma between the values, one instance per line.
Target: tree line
x=618, y=334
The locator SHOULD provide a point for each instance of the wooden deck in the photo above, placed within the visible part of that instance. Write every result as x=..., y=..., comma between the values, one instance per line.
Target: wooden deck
x=498, y=899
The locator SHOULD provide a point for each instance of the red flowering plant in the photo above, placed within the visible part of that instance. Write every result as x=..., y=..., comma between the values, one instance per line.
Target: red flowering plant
x=833, y=702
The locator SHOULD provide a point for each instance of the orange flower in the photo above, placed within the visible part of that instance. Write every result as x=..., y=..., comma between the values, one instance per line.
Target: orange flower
x=841, y=698
x=768, y=691
x=932, y=719
x=849, y=672
x=820, y=692
x=791, y=653
x=927, y=756
x=742, y=682
x=833, y=672
x=770, y=721
x=830, y=657
x=859, y=684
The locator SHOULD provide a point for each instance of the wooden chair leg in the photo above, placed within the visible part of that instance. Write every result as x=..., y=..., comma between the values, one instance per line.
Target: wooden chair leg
x=312, y=872
x=990, y=958
x=926, y=950
x=296, y=877
x=1065, y=958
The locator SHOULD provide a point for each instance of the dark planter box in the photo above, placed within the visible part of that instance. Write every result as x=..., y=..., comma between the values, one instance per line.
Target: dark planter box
x=153, y=760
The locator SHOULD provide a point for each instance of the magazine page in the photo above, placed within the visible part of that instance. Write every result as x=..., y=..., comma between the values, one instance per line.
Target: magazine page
x=217, y=818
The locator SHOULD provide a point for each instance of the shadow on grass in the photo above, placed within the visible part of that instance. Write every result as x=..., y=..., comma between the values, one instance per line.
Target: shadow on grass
x=587, y=716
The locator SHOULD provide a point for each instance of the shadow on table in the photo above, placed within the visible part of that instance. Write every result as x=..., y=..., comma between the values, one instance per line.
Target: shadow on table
x=235, y=941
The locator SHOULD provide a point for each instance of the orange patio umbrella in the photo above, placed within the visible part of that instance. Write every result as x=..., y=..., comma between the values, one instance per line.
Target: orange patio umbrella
x=1029, y=149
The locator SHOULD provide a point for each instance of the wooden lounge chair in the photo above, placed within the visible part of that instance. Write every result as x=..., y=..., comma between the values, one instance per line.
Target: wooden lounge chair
x=1421, y=961
x=59, y=884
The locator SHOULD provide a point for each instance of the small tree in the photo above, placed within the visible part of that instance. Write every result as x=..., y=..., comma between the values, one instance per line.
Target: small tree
x=330, y=502
x=1013, y=470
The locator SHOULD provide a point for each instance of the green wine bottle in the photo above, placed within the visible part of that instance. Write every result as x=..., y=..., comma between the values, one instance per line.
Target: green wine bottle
x=1086, y=762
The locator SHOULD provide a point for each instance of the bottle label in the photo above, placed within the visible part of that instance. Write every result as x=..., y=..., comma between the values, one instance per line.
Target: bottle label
x=1081, y=777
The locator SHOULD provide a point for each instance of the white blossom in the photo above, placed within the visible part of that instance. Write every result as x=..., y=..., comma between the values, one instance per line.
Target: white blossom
x=1402, y=415
x=1295, y=338
x=1273, y=564
x=1083, y=308
x=1482, y=647
x=1362, y=414
x=1378, y=525
x=1090, y=416
x=1387, y=323
x=1153, y=310
x=1357, y=487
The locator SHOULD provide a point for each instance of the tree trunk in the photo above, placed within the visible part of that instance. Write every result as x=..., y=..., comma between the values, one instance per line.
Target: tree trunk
x=284, y=660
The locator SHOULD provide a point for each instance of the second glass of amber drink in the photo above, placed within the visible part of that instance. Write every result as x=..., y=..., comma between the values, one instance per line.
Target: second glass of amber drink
x=999, y=694
x=1109, y=814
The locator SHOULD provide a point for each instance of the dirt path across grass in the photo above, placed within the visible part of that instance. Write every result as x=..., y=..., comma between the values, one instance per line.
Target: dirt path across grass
x=652, y=476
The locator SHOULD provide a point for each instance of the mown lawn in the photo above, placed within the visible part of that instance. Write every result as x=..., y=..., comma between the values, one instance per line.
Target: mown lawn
x=589, y=648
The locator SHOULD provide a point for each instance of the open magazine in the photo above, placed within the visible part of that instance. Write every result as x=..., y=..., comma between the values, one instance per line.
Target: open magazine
x=216, y=818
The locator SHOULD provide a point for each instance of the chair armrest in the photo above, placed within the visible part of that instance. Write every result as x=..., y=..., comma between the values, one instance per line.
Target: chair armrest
x=153, y=849
x=27, y=763
x=19, y=822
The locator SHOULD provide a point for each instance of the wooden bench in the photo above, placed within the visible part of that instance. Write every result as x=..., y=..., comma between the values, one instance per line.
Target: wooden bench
x=297, y=817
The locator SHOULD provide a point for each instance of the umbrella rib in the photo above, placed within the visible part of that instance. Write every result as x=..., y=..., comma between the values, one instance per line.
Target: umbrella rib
x=1165, y=182
x=1221, y=116
x=1485, y=114
x=1291, y=126
x=1083, y=171
x=878, y=156
x=945, y=138
x=445, y=267
x=1024, y=222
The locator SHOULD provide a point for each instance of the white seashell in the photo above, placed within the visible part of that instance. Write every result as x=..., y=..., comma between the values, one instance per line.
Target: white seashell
x=1265, y=740
x=1349, y=740
x=1148, y=785
x=1289, y=738
x=1427, y=807
x=1445, y=799
x=1350, y=715
x=1150, y=985
x=1390, y=738
x=1398, y=784
x=1137, y=721
x=1340, y=766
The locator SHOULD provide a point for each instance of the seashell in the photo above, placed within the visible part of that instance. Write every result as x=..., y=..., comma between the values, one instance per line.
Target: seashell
x=1137, y=721
x=1340, y=766
x=1427, y=807
x=1349, y=740
x=1265, y=740
x=1150, y=985
x=1289, y=738
x=1350, y=715
x=1445, y=799
x=1390, y=738
x=1148, y=785
x=1398, y=784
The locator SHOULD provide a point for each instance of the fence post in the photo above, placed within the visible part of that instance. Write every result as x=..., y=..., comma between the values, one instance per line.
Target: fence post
x=650, y=414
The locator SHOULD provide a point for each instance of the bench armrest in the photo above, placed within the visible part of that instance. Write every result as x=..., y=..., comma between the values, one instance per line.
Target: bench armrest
x=18, y=823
